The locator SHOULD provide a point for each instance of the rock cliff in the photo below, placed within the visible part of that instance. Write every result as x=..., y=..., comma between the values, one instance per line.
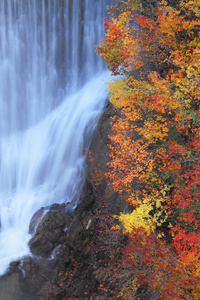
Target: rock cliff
x=60, y=235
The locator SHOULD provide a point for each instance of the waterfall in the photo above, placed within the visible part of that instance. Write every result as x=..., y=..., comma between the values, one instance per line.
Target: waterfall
x=52, y=89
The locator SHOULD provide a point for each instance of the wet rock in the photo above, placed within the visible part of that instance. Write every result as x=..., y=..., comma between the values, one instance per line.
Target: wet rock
x=32, y=277
x=49, y=226
x=97, y=162
x=36, y=218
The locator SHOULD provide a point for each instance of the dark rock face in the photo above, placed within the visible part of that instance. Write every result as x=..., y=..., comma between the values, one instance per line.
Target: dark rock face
x=60, y=235
x=73, y=249
x=50, y=231
x=96, y=165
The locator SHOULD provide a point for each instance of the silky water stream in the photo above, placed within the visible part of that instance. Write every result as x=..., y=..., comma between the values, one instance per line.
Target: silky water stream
x=52, y=90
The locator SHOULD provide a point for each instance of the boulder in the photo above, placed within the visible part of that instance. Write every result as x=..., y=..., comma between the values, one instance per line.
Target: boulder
x=49, y=226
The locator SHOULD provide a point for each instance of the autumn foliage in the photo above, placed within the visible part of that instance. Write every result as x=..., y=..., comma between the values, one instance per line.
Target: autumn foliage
x=155, y=145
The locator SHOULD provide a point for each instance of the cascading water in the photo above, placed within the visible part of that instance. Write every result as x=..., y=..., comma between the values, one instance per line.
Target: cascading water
x=52, y=88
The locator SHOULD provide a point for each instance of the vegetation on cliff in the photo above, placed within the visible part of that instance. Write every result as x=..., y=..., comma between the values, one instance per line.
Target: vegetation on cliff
x=155, y=148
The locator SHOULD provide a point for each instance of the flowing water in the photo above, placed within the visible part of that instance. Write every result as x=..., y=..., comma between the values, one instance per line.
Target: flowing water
x=52, y=89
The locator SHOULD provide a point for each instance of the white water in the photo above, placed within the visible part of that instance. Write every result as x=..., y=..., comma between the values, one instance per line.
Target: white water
x=52, y=89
